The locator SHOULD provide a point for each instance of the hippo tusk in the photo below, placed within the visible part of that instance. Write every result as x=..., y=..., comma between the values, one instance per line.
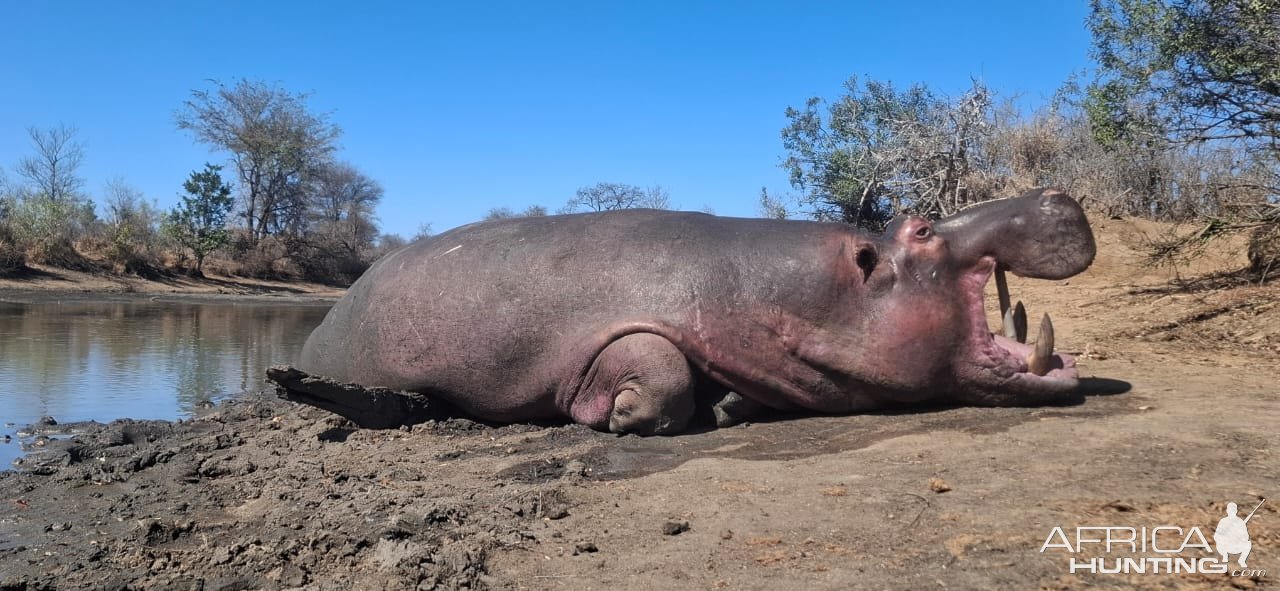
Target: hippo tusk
x=1038, y=361
x=1014, y=323
x=1002, y=291
x=1013, y=320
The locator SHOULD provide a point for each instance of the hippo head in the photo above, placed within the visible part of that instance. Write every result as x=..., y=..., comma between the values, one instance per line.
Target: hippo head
x=935, y=274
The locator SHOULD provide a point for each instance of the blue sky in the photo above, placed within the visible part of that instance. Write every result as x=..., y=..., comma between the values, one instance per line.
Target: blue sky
x=456, y=108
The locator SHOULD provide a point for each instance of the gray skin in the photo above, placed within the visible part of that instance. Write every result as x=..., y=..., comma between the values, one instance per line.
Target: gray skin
x=615, y=319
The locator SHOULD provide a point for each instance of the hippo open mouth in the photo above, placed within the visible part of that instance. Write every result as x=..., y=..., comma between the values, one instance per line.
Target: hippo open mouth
x=1001, y=367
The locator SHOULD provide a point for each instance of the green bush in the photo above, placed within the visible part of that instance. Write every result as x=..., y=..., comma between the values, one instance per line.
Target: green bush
x=46, y=229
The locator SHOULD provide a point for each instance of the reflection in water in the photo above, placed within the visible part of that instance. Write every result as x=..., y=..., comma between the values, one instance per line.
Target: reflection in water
x=143, y=360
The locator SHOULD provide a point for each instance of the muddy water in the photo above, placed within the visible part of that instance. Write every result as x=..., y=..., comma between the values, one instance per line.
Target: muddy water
x=144, y=360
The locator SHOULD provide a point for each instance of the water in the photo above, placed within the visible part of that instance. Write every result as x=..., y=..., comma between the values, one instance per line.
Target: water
x=143, y=360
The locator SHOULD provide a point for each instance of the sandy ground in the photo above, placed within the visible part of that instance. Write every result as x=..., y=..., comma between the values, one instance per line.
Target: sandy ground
x=261, y=494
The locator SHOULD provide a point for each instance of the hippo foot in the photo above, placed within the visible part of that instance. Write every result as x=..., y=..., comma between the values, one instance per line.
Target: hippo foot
x=734, y=409
x=374, y=408
x=640, y=383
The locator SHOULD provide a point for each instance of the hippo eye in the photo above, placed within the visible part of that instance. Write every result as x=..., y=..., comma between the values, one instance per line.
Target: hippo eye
x=924, y=232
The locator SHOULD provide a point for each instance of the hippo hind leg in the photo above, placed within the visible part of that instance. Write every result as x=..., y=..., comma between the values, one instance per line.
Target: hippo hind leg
x=640, y=383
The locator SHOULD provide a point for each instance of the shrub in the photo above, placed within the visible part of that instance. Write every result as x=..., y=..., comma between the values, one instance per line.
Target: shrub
x=12, y=259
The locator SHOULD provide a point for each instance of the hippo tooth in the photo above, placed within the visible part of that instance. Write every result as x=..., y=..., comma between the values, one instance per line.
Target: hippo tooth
x=1002, y=291
x=1020, y=323
x=1014, y=323
x=1038, y=361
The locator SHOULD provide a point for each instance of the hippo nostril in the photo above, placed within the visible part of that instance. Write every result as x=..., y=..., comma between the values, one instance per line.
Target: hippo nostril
x=866, y=260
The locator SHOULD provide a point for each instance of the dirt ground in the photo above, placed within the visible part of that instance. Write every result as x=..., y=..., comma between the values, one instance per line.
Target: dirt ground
x=262, y=494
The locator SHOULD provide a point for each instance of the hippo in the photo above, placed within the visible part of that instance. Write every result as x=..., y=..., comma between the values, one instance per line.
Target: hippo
x=631, y=320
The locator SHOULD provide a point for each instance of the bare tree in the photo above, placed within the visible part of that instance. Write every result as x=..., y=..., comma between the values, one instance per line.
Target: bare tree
x=341, y=192
x=338, y=240
x=424, y=231
x=123, y=202
x=49, y=211
x=342, y=204
x=52, y=170
x=132, y=228
x=607, y=196
x=771, y=207
x=274, y=141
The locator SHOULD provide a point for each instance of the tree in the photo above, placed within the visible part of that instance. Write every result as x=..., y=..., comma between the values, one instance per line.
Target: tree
x=199, y=221
x=52, y=170
x=338, y=241
x=877, y=151
x=607, y=196
x=424, y=231
x=1204, y=73
x=49, y=213
x=131, y=227
x=1210, y=68
x=275, y=142
x=342, y=204
x=771, y=207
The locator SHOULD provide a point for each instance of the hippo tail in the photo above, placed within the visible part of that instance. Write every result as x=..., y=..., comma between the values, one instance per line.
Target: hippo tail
x=373, y=408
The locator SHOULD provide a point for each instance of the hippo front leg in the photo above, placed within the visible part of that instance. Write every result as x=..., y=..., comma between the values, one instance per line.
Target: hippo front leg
x=640, y=383
x=734, y=409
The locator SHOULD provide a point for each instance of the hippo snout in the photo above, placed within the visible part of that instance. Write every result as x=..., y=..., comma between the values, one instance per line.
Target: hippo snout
x=1043, y=234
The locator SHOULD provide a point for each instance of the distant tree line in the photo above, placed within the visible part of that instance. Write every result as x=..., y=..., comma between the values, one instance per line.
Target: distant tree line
x=284, y=206
x=287, y=209
x=597, y=197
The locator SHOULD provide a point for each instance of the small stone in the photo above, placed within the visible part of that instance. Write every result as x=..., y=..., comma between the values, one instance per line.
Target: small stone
x=938, y=485
x=673, y=528
x=575, y=468
x=585, y=548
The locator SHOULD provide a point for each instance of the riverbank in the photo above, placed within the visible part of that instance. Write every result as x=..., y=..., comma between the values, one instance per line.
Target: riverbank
x=43, y=284
x=264, y=494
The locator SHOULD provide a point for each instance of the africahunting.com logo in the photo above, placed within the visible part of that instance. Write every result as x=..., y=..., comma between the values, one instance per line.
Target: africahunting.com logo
x=1163, y=549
